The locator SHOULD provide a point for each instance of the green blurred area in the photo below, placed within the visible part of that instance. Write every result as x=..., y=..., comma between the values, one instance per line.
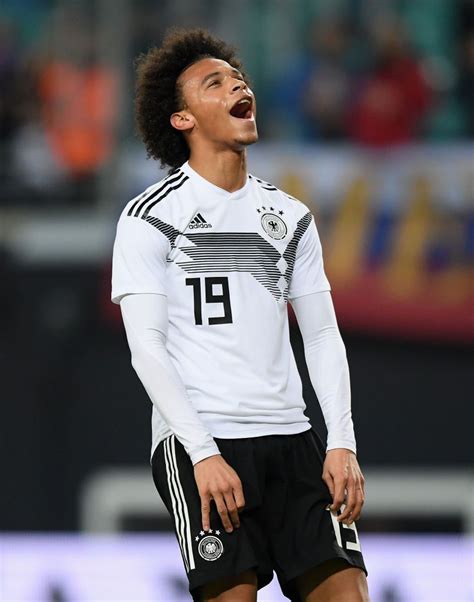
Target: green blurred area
x=271, y=33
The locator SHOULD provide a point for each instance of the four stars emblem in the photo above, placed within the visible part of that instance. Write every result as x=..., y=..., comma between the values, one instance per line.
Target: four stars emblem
x=259, y=210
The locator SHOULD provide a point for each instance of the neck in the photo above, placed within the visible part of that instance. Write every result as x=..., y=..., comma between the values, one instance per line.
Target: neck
x=225, y=169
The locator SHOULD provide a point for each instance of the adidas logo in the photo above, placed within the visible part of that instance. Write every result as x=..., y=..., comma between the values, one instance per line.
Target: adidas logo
x=198, y=222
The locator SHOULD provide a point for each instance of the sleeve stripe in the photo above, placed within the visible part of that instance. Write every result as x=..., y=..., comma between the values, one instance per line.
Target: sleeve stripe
x=164, y=195
x=141, y=202
x=263, y=184
x=145, y=194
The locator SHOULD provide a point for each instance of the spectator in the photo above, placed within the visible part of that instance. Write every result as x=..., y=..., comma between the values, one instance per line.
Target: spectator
x=466, y=75
x=394, y=98
x=79, y=103
x=11, y=98
x=18, y=107
x=312, y=104
x=327, y=88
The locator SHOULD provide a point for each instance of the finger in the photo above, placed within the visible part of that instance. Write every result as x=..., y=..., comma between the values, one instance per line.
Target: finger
x=239, y=496
x=339, y=493
x=350, y=503
x=222, y=510
x=205, y=509
x=327, y=478
x=360, y=498
x=232, y=509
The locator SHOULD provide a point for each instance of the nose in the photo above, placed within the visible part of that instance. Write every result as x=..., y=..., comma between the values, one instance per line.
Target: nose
x=239, y=85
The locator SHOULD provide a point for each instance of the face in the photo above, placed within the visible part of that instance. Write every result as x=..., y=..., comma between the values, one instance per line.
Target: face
x=219, y=106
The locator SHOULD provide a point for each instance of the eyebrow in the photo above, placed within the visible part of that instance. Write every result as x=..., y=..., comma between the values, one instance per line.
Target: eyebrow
x=214, y=73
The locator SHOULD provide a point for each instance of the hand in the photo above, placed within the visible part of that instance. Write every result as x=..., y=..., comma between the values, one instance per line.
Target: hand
x=218, y=481
x=342, y=475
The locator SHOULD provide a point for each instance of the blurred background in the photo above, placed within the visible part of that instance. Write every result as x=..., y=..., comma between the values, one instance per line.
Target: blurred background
x=366, y=113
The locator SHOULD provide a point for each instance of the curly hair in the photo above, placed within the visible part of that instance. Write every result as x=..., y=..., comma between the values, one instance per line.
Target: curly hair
x=158, y=94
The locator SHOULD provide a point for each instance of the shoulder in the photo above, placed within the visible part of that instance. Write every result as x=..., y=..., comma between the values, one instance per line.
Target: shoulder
x=155, y=198
x=291, y=204
x=150, y=216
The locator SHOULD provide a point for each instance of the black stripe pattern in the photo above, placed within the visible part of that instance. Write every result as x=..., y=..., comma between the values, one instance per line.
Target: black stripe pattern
x=245, y=252
x=226, y=251
x=166, y=229
x=290, y=253
x=143, y=205
x=263, y=184
x=233, y=252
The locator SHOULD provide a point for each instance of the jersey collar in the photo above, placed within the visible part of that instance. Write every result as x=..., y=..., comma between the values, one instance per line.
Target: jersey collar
x=237, y=194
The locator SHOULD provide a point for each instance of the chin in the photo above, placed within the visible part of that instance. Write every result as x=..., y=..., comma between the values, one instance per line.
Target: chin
x=247, y=138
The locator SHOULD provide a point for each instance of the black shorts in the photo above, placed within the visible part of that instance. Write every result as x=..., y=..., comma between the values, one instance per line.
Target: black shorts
x=285, y=526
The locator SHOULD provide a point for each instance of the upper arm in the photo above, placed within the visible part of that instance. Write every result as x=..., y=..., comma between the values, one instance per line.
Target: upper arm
x=145, y=315
x=308, y=273
x=139, y=259
x=315, y=314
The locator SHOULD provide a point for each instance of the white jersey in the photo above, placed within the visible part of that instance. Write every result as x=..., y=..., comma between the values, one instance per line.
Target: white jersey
x=228, y=264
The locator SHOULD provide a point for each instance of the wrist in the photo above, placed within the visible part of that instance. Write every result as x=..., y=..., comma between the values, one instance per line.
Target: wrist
x=348, y=444
x=203, y=454
x=341, y=449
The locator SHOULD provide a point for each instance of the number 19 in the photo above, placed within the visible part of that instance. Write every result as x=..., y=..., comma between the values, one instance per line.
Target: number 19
x=211, y=297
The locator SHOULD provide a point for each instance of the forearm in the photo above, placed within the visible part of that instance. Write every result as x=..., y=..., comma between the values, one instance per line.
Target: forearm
x=327, y=366
x=329, y=373
x=145, y=321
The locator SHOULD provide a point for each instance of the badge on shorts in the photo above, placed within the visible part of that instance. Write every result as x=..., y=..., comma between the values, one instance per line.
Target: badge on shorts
x=210, y=547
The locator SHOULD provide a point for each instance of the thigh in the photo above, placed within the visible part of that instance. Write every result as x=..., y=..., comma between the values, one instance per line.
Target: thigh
x=304, y=533
x=333, y=581
x=241, y=587
x=211, y=556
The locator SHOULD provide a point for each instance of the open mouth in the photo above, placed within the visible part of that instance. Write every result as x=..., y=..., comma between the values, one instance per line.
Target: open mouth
x=242, y=109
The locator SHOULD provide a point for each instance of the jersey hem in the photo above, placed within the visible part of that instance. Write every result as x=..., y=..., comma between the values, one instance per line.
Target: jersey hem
x=260, y=431
x=263, y=431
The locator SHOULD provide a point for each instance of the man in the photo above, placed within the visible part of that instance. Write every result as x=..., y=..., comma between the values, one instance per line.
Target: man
x=204, y=264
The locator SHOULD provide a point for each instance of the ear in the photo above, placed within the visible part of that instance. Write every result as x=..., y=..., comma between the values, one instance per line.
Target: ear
x=182, y=121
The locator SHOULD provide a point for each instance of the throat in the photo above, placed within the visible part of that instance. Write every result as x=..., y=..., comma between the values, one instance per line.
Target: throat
x=226, y=170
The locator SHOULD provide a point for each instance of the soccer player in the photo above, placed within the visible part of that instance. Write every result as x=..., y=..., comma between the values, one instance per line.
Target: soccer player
x=205, y=262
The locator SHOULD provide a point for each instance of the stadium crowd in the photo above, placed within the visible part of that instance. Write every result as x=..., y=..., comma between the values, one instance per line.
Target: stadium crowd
x=354, y=78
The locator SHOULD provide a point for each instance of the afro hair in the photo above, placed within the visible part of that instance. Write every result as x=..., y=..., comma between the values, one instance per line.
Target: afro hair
x=158, y=94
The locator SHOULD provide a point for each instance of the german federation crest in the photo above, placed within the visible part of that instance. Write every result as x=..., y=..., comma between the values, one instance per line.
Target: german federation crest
x=274, y=226
x=210, y=547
